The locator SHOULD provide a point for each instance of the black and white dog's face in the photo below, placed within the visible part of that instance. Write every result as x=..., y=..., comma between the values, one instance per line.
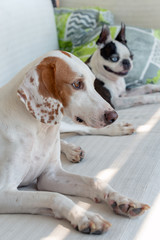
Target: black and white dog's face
x=114, y=55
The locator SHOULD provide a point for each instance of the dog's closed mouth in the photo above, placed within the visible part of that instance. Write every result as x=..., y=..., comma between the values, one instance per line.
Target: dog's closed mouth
x=123, y=73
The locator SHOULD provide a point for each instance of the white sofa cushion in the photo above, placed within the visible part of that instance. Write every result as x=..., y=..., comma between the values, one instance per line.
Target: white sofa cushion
x=27, y=31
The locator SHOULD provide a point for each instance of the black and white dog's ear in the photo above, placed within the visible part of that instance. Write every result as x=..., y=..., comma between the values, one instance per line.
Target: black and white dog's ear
x=104, y=36
x=121, y=37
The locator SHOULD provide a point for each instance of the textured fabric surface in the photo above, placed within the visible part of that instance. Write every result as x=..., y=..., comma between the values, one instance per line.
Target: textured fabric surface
x=134, y=13
x=131, y=164
x=27, y=31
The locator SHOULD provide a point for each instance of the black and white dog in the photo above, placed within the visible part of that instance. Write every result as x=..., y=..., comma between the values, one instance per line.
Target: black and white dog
x=110, y=63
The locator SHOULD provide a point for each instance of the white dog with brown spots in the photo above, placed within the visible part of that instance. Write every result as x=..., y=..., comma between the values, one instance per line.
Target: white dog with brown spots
x=31, y=109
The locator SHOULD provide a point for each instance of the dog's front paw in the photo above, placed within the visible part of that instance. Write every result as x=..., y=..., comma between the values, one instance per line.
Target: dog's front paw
x=124, y=206
x=125, y=129
x=76, y=154
x=90, y=223
x=73, y=153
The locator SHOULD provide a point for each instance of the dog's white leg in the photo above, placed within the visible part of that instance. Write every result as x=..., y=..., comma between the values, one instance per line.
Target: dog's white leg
x=73, y=153
x=115, y=129
x=96, y=189
x=127, y=102
x=145, y=89
x=31, y=202
x=53, y=204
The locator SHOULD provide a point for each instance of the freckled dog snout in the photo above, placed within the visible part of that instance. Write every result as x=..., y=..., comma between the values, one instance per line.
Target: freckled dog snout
x=110, y=116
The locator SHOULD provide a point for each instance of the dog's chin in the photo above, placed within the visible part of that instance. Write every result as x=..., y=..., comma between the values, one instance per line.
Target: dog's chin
x=120, y=74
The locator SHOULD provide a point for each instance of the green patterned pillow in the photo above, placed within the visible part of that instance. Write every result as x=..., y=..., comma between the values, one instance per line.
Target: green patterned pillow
x=78, y=29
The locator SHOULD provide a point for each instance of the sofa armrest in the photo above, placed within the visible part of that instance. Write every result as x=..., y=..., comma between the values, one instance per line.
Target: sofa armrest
x=28, y=31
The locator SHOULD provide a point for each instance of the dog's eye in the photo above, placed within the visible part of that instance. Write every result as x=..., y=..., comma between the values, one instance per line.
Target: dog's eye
x=114, y=58
x=78, y=85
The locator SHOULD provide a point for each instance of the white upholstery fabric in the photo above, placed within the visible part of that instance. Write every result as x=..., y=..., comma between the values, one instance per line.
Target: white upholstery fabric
x=27, y=30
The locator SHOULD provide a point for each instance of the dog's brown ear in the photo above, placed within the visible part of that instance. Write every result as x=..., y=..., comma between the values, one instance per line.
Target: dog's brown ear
x=38, y=92
x=121, y=37
x=104, y=36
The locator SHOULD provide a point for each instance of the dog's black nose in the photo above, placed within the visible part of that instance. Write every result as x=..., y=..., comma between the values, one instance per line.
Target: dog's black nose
x=110, y=116
x=126, y=64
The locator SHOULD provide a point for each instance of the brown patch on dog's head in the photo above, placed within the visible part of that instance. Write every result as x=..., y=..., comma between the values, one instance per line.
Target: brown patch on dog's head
x=46, y=89
x=55, y=77
x=66, y=53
